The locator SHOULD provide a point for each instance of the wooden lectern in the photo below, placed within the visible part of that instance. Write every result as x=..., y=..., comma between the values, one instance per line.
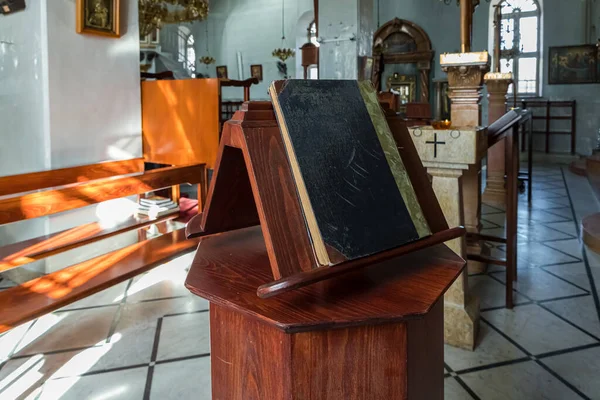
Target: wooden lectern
x=374, y=332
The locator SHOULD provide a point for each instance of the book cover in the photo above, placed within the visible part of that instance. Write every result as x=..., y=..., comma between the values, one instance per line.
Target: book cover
x=355, y=193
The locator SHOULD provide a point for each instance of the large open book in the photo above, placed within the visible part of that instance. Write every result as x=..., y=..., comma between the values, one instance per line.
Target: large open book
x=355, y=193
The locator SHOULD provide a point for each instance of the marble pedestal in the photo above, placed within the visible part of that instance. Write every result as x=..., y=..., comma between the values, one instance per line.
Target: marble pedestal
x=465, y=79
x=495, y=190
x=448, y=155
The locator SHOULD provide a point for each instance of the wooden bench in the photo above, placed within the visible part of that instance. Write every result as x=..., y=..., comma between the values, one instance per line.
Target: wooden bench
x=40, y=194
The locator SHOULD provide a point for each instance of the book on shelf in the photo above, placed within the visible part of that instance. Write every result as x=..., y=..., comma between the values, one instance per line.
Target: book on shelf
x=156, y=200
x=356, y=196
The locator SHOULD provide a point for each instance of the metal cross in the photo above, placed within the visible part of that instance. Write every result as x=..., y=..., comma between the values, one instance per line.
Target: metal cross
x=435, y=144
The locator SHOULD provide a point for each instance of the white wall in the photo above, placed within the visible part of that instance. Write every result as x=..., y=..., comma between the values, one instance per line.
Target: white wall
x=95, y=111
x=252, y=27
x=24, y=136
x=65, y=99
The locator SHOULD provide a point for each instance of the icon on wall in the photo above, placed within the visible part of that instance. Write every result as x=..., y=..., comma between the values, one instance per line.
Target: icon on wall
x=256, y=72
x=222, y=72
x=99, y=17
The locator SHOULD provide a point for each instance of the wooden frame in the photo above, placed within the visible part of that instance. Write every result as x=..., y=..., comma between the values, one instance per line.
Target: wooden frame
x=586, y=70
x=256, y=71
x=93, y=25
x=222, y=72
x=244, y=193
x=548, y=106
x=421, y=56
x=366, y=68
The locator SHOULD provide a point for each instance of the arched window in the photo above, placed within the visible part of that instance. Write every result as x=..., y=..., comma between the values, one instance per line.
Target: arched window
x=520, y=44
x=187, y=50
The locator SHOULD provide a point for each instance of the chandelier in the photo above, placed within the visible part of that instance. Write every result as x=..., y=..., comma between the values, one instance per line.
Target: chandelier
x=153, y=14
x=284, y=52
x=207, y=60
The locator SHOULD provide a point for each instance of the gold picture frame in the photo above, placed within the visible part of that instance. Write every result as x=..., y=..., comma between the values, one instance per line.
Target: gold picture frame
x=256, y=71
x=99, y=17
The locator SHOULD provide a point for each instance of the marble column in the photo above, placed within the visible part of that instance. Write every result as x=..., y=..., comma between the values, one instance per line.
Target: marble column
x=465, y=80
x=459, y=150
x=461, y=310
x=497, y=87
x=346, y=30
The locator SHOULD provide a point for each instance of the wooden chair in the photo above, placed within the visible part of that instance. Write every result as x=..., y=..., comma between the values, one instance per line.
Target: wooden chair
x=507, y=128
x=390, y=99
x=73, y=188
x=418, y=114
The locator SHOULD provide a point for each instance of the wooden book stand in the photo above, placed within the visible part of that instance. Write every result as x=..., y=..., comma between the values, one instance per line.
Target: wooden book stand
x=252, y=184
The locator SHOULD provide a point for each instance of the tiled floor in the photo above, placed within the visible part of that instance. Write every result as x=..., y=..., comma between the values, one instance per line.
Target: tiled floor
x=149, y=339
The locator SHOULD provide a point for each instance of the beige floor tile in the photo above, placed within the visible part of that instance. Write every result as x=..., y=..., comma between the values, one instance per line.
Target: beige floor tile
x=193, y=376
x=580, y=369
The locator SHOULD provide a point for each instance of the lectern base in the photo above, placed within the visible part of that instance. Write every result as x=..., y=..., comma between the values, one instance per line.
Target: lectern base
x=373, y=334
x=254, y=360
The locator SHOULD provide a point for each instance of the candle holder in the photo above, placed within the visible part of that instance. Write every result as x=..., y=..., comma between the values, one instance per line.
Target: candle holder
x=443, y=125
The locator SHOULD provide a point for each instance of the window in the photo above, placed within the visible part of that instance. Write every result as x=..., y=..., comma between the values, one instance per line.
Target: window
x=186, y=50
x=312, y=29
x=520, y=44
x=313, y=71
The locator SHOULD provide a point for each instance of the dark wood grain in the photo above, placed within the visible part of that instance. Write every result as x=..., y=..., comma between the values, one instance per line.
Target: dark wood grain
x=309, y=277
x=49, y=202
x=425, y=339
x=40, y=296
x=21, y=253
x=65, y=176
x=396, y=289
x=248, y=358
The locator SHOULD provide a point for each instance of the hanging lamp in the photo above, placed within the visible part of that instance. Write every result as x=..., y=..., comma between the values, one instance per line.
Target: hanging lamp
x=284, y=52
x=207, y=59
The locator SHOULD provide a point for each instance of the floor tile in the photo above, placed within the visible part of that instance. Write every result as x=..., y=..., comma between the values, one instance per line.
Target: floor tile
x=487, y=209
x=9, y=340
x=135, y=332
x=573, y=272
x=192, y=376
x=162, y=282
x=572, y=247
x=184, y=335
x=580, y=369
x=491, y=293
x=497, y=219
x=112, y=295
x=537, y=284
x=534, y=254
x=540, y=216
x=580, y=310
x=491, y=348
x=564, y=212
x=522, y=381
x=454, y=391
x=28, y=373
x=125, y=384
x=536, y=329
x=6, y=283
x=568, y=227
x=68, y=330
x=537, y=232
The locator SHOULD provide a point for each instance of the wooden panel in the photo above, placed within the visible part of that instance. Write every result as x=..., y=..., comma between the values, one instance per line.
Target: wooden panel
x=400, y=288
x=426, y=355
x=54, y=201
x=180, y=121
x=50, y=292
x=365, y=362
x=66, y=176
x=21, y=253
x=249, y=360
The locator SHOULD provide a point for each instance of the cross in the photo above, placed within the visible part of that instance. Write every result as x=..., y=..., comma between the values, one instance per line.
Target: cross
x=435, y=144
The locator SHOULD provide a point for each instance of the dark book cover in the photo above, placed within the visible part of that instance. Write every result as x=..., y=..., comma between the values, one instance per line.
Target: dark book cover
x=356, y=195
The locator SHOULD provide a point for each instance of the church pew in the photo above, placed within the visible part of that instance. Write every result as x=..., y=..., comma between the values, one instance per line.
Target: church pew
x=66, y=176
x=37, y=297
x=45, y=294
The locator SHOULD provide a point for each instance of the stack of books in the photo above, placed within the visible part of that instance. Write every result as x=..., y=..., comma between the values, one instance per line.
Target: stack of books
x=156, y=206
